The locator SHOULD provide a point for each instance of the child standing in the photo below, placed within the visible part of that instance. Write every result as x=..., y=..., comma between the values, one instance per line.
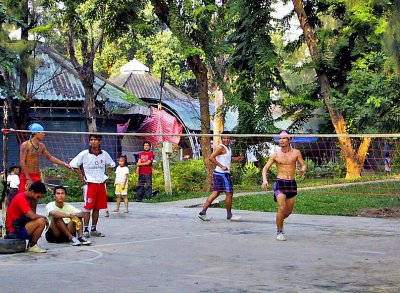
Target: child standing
x=13, y=183
x=388, y=164
x=121, y=183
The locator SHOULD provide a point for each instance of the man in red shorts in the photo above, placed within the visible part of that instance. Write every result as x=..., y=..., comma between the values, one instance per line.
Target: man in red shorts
x=91, y=166
x=30, y=154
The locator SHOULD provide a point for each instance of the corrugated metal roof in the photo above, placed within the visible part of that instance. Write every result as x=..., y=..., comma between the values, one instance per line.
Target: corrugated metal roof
x=56, y=79
x=147, y=87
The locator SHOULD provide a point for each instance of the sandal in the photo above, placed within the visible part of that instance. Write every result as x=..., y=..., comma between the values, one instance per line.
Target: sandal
x=96, y=234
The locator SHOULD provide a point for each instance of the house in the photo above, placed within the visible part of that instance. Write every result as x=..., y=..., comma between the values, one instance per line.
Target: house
x=136, y=78
x=58, y=104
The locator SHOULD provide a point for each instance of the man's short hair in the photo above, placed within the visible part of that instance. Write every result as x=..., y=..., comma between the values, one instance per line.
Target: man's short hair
x=38, y=187
x=59, y=187
x=98, y=136
x=147, y=142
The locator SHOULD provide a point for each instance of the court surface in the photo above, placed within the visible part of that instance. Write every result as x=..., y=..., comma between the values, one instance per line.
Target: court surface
x=166, y=248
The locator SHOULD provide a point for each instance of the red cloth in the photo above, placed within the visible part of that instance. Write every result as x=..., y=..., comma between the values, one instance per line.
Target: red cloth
x=35, y=176
x=161, y=122
x=144, y=157
x=18, y=207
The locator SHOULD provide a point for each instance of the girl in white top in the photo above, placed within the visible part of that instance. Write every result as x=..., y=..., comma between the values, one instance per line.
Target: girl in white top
x=121, y=183
x=13, y=182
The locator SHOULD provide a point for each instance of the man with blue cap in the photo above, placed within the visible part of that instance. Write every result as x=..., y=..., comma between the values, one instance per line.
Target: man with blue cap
x=30, y=154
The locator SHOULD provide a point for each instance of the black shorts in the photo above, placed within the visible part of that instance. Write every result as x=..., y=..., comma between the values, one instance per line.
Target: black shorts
x=50, y=237
x=287, y=187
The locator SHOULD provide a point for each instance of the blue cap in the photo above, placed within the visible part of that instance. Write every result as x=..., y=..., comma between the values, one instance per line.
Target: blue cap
x=35, y=128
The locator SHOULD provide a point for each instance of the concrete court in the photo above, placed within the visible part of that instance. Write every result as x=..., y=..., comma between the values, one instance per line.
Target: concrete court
x=164, y=247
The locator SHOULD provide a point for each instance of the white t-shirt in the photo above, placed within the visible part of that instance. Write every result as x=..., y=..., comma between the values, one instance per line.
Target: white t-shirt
x=94, y=166
x=67, y=208
x=120, y=174
x=224, y=160
x=13, y=180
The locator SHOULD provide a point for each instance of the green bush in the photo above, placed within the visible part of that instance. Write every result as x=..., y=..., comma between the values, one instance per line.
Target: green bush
x=251, y=175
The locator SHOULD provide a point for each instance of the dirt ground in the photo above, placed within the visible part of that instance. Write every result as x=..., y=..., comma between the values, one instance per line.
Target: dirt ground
x=380, y=213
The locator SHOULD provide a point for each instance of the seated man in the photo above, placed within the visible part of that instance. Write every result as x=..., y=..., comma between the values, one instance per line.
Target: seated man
x=65, y=220
x=22, y=222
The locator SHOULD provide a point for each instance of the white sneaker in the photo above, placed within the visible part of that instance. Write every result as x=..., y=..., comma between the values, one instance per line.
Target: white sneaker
x=281, y=237
x=235, y=218
x=36, y=248
x=74, y=241
x=203, y=218
x=86, y=234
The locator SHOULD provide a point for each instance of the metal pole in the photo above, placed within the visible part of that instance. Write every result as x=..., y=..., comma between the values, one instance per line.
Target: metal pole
x=5, y=163
x=165, y=144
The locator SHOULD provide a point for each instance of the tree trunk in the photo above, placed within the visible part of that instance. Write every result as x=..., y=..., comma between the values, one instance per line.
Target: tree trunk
x=200, y=71
x=87, y=79
x=218, y=121
x=354, y=160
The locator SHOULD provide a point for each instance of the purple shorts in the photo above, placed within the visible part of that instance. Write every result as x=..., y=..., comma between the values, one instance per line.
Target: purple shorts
x=287, y=187
x=222, y=182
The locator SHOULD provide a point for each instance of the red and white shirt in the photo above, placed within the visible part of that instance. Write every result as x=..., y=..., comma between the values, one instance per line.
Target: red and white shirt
x=94, y=167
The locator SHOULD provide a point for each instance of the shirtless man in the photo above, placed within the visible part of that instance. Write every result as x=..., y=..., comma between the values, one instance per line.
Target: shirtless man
x=29, y=156
x=285, y=187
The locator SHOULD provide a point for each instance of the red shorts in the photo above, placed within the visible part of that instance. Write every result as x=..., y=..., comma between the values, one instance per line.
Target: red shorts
x=95, y=196
x=35, y=176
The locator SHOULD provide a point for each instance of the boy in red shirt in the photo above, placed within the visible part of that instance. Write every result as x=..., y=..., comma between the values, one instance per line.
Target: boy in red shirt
x=144, y=168
x=22, y=222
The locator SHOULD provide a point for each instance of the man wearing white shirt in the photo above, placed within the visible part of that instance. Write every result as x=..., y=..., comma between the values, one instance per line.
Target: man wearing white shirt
x=91, y=167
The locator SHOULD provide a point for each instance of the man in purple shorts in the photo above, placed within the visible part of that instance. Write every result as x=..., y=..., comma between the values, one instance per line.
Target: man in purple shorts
x=222, y=158
x=285, y=187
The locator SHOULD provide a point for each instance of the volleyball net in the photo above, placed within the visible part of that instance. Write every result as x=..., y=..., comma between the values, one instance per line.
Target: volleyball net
x=327, y=164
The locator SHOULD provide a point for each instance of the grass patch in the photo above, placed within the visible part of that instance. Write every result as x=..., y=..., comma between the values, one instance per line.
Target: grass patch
x=346, y=201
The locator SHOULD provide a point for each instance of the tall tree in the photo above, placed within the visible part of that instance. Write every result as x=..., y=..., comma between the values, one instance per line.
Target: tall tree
x=353, y=41
x=25, y=12
x=253, y=63
x=392, y=35
x=87, y=23
x=191, y=22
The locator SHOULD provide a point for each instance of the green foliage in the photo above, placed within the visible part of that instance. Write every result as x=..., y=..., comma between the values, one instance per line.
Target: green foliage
x=251, y=175
x=254, y=63
x=346, y=201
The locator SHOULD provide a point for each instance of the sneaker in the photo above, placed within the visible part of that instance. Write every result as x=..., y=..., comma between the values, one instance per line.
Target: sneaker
x=96, y=234
x=86, y=234
x=203, y=218
x=234, y=218
x=74, y=241
x=84, y=241
x=280, y=237
x=37, y=249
